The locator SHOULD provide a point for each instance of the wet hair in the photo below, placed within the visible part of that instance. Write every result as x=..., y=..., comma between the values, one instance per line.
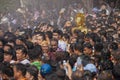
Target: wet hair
x=20, y=67
x=32, y=70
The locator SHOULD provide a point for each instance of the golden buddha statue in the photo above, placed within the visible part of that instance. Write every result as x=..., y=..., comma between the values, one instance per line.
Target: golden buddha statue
x=80, y=23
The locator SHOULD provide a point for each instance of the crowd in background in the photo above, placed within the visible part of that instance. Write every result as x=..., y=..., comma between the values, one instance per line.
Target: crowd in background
x=40, y=44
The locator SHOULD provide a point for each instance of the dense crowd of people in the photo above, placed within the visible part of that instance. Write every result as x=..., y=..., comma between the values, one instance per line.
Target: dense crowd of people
x=40, y=45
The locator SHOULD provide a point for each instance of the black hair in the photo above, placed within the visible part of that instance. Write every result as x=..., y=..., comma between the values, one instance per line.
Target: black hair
x=106, y=65
x=105, y=75
x=29, y=45
x=38, y=48
x=85, y=60
x=113, y=46
x=105, y=54
x=34, y=54
x=10, y=52
x=52, y=76
x=20, y=67
x=116, y=71
x=6, y=69
x=62, y=74
x=21, y=47
x=21, y=38
x=66, y=36
x=73, y=59
x=59, y=32
x=1, y=55
x=98, y=47
x=49, y=34
x=32, y=70
x=78, y=47
x=77, y=75
x=53, y=39
x=88, y=45
x=72, y=47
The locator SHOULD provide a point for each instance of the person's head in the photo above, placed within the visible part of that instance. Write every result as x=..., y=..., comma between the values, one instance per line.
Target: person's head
x=105, y=75
x=46, y=69
x=103, y=6
x=20, y=40
x=62, y=74
x=32, y=73
x=6, y=70
x=19, y=71
x=57, y=34
x=29, y=45
x=54, y=44
x=98, y=47
x=78, y=48
x=113, y=46
x=66, y=38
x=45, y=46
x=38, y=38
x=34, y=55
x=116, y=72
x=8, y=55
x=21, y=52
x=7, y=47
x=77, y=75
x=87, y=49
x=105, y=54
x=48, y=35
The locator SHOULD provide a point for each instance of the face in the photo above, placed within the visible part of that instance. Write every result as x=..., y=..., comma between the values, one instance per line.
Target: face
x=54, y=45
x=1, y=44
x=7, y=57
x=28, y=76
x=19, y=54
x=56, y=36
x=87, y=51
x=6, y=48
x=45, y=48
x=18, y=42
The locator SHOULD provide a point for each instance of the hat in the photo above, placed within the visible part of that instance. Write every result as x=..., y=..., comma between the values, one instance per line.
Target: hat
x=45, y=69
x=90, y=67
